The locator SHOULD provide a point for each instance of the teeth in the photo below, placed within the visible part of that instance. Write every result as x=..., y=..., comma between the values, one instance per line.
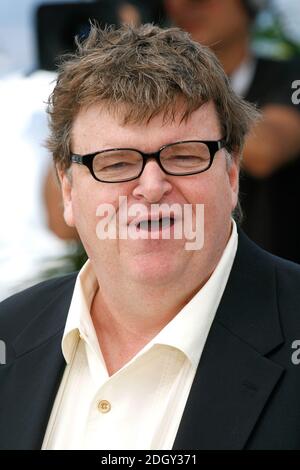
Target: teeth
x=155, y=224
x=144, y=225
x=166, y=221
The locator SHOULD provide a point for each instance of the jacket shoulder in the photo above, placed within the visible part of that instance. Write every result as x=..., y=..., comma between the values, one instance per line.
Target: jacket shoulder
x=287, y=272
x=287, y=284
x=19, y=309
x=288, y=296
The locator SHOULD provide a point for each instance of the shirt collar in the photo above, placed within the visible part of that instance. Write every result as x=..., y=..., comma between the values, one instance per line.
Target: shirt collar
x=188, y=330
x=79, y=322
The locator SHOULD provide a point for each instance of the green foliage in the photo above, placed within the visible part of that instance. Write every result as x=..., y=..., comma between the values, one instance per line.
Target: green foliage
x=271, y=39
x=72, y=261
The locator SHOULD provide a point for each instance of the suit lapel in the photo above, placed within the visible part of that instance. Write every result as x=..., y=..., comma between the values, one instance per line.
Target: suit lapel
x=32, y=382
x=234, y=379
x=231, y=387
x=29, y=383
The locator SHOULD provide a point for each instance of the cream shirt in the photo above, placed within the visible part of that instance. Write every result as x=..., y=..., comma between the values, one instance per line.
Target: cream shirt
x=141, y=405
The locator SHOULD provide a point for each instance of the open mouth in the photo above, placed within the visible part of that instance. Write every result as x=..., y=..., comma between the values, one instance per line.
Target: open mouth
x=152, y=225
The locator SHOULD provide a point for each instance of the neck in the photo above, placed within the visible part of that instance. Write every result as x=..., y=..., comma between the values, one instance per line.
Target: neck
x=124, y=324
x=232, y=55
x=123, y=310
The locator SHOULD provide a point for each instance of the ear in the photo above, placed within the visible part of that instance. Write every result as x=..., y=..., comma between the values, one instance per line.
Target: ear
x=233, y=173
x=65, y=179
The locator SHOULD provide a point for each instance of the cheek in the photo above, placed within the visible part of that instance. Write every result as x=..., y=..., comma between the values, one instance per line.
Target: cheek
x=85, y=217
x=84, y=210
x=84, y=207
x=201, y=190
x=215, y=193
x=91, y=204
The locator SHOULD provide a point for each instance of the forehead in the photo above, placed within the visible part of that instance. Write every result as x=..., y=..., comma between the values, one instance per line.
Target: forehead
x=95, y=128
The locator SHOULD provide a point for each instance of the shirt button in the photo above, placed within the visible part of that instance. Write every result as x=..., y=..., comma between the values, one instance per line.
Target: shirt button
x=104, y=406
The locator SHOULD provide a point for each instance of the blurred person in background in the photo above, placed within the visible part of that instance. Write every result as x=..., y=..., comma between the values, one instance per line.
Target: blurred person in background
x=32, y=226
x=35, y=243
x=269, y=186
x=18, y=35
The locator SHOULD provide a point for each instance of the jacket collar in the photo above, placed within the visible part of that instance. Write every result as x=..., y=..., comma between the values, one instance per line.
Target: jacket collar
x=29, y=382
x=48, y=322
x=234, y=379
x=249, y=307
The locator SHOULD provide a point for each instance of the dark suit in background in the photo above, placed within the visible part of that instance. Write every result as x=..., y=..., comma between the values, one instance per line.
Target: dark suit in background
x=271, y=204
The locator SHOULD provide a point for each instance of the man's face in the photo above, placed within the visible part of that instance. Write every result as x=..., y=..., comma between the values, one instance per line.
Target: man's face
x=152, y=261
x=214, y=23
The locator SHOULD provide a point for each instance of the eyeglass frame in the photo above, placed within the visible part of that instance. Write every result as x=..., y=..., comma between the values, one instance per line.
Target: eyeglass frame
x=87, y=160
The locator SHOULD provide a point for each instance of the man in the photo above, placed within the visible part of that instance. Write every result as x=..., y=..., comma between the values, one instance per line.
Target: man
x=156, y=344
x=269, y=188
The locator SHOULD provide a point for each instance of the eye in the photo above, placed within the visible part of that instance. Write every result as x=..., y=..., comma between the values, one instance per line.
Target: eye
x=117, y=166
x=184, y=161
x=186, y=158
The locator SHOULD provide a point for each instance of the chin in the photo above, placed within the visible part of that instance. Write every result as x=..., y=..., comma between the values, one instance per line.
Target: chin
x=153, y=269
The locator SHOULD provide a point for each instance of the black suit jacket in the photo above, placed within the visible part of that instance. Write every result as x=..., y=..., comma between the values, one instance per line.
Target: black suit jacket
x=246, y=392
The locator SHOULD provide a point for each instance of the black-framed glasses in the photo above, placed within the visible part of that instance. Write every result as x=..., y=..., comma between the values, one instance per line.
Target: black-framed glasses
x=119, y=165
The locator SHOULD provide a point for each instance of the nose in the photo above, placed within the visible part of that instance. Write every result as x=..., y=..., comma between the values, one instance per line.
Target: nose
x=153, y=184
